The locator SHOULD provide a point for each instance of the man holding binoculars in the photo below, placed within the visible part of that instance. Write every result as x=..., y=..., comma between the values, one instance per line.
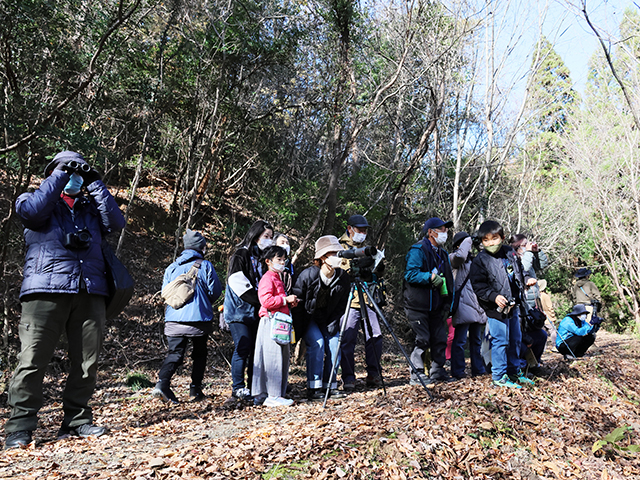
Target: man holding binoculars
x=64, y=289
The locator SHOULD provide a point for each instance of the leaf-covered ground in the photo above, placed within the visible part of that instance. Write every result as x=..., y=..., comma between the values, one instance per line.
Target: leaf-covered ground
x=470, y=430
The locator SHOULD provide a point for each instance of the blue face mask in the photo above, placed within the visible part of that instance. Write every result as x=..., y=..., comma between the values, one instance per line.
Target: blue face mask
x=74, y=185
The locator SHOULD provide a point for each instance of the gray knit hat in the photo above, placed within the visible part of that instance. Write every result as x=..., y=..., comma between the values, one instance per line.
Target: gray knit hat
x=194, y=241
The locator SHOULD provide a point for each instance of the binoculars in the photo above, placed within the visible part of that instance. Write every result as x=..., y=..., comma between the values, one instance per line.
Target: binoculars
x=78, y=167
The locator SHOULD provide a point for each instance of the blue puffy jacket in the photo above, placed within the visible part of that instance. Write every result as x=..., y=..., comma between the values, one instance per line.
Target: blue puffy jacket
x=208, y=289
x=49, y=266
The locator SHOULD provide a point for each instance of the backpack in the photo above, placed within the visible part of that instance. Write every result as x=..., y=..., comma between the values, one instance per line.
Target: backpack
x=180, y=291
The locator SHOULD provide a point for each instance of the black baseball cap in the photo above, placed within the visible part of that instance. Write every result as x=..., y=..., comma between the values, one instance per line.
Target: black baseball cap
x=358, y=221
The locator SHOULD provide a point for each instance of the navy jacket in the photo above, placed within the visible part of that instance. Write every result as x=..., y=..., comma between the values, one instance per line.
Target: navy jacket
x=419, y=294
x=208, y=289
x=50, y=267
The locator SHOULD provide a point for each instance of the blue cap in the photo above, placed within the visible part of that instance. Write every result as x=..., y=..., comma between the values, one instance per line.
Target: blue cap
x=358, y=221
x=434, y=223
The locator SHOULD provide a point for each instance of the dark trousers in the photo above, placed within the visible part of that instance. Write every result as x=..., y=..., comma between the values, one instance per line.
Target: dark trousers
x=372, y=345
x=475, y=332
x=538, y=342
x=175, y=357
x=577, y=345
x=431, y=331
x=45, y=316
x=244, y=339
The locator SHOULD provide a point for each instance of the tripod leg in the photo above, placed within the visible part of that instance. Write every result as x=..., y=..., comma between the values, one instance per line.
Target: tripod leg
x=334, y=360
x=369, y=330
x=381, y=316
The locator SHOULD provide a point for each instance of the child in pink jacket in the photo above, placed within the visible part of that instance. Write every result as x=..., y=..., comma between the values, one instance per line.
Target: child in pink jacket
x=271, y=360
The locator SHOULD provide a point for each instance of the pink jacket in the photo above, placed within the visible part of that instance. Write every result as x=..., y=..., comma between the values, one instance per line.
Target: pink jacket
x=272, y=295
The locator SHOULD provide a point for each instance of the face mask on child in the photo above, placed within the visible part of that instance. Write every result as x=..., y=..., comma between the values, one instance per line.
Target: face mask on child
x=493, y=248
x=278, y=267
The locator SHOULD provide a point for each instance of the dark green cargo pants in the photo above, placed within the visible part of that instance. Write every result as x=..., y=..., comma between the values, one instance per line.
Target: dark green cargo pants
x=44, y=317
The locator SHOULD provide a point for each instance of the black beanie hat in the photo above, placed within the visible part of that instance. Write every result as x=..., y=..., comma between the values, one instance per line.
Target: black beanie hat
x=194, y=241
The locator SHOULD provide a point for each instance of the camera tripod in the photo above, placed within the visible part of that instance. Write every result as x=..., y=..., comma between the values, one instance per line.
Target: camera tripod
x=361, y=289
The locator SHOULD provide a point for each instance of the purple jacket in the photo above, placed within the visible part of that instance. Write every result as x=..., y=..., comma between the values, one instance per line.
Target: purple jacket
x=50, y=267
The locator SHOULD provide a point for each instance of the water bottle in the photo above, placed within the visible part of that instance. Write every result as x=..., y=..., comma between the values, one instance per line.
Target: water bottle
x=443, y=288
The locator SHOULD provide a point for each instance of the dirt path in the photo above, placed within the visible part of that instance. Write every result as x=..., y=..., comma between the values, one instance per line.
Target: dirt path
x=471, y=430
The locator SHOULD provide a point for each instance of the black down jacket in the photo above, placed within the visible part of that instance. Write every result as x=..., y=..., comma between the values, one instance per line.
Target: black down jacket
x=310, y=291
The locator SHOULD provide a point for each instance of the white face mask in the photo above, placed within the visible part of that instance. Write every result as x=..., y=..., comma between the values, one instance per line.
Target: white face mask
x=582, y=317
x=287, y=249
x=264, y=243
x=359, y=237
x=278, y=267
x=334, y=261
x=441, y=238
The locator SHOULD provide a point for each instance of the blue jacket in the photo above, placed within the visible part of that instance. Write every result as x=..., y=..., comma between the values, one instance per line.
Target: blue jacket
x=208, y=289
x=418, y=292
x=50, y=267
x=568, y=329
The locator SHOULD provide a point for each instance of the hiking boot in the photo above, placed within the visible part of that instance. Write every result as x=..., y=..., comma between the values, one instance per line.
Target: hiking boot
x=415, y=379
x=195, y=393
x=373, y=382
x=164, y=393
x=521, y=378
x=335, y=393
x=349, y=386
x=505, y=382
x=315, y=395
x=86, y=430
x=18, y=439
x=442, y=379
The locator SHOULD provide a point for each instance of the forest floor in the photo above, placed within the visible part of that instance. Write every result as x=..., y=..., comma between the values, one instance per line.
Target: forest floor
x=469, y=430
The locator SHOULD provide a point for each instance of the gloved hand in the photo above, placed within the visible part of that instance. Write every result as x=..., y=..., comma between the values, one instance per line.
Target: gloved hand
x=64, y=167
x=436, y=280
x=90, y=176
x=596, y=320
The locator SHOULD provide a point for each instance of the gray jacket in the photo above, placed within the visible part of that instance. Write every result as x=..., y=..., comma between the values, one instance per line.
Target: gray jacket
x=469, y=310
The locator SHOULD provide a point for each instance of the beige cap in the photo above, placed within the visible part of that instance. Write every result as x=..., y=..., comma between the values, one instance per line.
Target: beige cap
x=542, y=284
x=326, y=244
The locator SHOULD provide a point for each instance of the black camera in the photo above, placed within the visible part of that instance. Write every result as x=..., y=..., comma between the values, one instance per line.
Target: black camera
x=357, y=252
x=78, y=167
x=79, y=240
x=476, y=241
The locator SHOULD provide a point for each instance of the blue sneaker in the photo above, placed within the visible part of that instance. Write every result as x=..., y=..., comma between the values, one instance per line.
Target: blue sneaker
x=521, y=378
x=505, y=382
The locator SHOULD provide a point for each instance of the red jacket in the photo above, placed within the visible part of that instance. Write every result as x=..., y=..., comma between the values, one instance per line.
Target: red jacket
x=272, y=295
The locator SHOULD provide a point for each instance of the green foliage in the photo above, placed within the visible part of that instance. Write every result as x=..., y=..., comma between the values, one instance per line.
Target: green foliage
x=613, y=441
x=138, y=381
